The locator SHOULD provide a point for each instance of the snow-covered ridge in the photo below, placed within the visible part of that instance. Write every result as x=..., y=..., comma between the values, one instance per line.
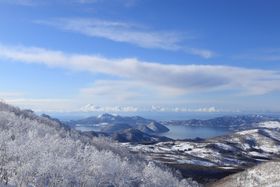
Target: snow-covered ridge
x=247, y=132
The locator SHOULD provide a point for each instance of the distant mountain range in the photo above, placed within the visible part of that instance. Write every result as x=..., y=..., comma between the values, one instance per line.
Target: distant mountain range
x=140, y=130
x=234, y=123
x=123, y=129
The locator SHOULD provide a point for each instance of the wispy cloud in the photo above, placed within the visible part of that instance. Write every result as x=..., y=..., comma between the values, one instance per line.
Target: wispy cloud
x=48, y=104
x=87, y=1
x=128, y=33
x=111, y=109
x=43, y=104
x=10, y=94
x=271, y=54
x=126, y=3
x=185, y=78
x=110, y=92
x=19, y=2
x=117, y=90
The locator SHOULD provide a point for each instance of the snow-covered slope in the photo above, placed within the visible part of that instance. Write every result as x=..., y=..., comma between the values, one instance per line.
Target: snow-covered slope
x=37, y=151
x=263, y=175
x=238, y=150
x=212, y=159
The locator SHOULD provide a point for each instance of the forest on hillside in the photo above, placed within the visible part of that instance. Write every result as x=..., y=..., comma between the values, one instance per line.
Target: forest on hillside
x=39, y=151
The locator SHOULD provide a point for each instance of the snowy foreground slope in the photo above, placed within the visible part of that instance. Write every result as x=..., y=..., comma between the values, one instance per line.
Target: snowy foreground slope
x=209, y=160
x=264, y=175
x=238, y=150
x=38, y=151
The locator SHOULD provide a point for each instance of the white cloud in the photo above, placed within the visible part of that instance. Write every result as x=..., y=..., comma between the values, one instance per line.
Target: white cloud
x=183, y=109
x=43, y=104
x=209, y=109
x=83, y=3
x=127, y=91
x=4, y=95
x=131, y=92
x=108, y=91
x=126, y=3
x=95, y=108
x=116, y=109
x=177, y=78
x=47, y=2
x=19, y=2
x=128, y=33
x=205, y=53
x=87, y=1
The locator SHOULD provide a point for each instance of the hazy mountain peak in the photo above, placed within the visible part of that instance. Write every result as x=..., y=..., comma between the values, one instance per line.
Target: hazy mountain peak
x=107, y=116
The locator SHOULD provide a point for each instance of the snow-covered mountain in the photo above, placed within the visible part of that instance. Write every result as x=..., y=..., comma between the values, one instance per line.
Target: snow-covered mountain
x=39, y=151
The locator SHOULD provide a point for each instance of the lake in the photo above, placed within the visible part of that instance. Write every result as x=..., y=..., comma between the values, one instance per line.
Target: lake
x=175, y=131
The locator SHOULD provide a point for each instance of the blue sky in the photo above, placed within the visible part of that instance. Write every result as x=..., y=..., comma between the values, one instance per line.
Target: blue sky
x=60, y=55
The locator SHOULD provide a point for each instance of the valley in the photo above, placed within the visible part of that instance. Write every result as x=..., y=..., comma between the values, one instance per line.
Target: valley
x=245, y=141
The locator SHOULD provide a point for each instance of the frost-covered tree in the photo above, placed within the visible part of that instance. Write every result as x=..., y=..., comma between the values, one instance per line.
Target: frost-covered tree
x=38, y=151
